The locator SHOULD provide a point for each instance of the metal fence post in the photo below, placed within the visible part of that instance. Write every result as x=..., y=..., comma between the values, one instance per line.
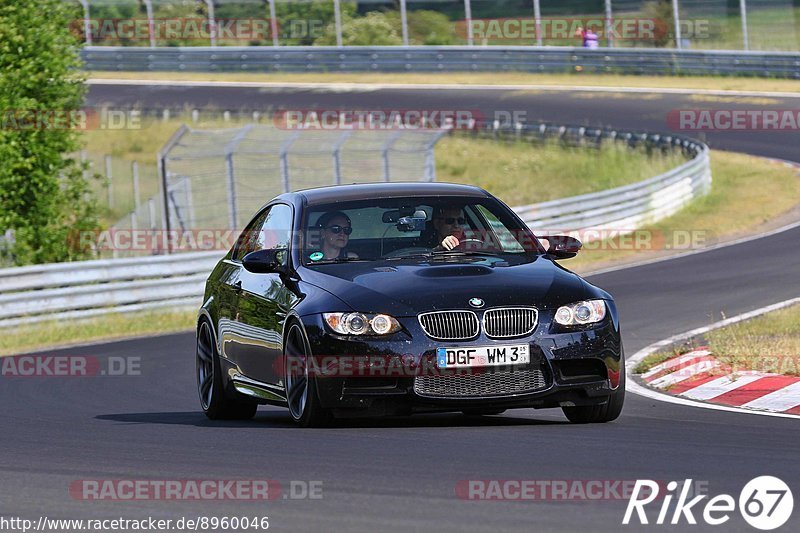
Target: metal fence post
x=676, y=15
x=745, y=36
x=273, y=23
x=151, y=29
x=404, y=21
x=164, y=183
x=109, y=181
x=212, y=22
x=337, y=15
x=537, y=18
x=229, y=173
x=385, y=154
x=468, y=18
x=608, y=25
x=135, y=177
x=284, y=158
x=87, y=26
x=337, y=157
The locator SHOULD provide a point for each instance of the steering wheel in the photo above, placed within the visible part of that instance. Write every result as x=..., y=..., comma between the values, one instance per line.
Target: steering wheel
x=462, y=242
x=402, y=252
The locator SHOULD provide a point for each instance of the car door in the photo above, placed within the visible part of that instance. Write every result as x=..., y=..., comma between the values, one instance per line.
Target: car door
x=264, y=302
x=230, y=288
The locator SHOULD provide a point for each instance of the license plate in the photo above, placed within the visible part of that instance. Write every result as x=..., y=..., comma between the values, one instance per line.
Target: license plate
x=517, y=354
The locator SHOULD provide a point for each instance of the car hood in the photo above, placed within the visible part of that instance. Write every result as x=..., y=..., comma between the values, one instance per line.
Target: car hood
x=408, y=289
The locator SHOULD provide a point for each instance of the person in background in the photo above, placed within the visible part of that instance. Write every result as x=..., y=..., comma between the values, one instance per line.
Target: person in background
x=589, y=37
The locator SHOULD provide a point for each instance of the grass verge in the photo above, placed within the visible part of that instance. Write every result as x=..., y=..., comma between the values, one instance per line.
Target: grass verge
x=769, y=343
x=748, y=195
x=521, y=173
x=478, y=78
x=113, y=326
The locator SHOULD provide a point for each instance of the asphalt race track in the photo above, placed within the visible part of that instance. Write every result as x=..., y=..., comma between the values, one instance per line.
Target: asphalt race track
x=401, y=474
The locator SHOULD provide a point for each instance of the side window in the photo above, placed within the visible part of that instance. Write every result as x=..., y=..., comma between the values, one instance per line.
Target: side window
x=504, y=237
x=276, y=231
x=248, y=239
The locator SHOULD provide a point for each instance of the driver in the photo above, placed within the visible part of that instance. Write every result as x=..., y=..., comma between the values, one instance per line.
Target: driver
x=448, y=222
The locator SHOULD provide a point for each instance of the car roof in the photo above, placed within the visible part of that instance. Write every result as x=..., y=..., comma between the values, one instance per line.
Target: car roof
x=359, y=191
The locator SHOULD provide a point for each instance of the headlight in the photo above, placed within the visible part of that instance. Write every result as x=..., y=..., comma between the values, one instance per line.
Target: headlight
x=581, y=313
x=361, y=323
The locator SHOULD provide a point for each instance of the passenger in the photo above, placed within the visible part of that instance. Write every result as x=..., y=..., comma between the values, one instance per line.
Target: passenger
x=335, y=228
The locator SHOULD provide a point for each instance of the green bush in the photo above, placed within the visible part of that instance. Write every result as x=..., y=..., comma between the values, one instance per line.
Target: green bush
x=661, y=11
x=373, y=29
x=301, y=21
x=43, y=195
x=425, y=27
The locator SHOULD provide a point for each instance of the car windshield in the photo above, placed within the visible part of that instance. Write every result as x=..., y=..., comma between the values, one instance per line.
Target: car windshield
x=453, y=229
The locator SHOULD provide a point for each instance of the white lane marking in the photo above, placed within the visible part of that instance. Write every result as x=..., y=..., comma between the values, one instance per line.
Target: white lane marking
x=683, y=374
x=635, y=359
x=720, y=386
x=677, y=361
x=780, y=400
x=356, y=87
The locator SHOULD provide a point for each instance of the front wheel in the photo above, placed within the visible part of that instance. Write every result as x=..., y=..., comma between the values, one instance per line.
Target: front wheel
x=216, y=405
x=593, y=414
x=301, y=390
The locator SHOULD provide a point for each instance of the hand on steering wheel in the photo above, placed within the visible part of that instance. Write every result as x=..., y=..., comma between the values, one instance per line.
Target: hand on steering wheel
x=450, y=242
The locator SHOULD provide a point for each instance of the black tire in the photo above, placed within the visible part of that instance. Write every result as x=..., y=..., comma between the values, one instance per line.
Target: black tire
x=215, y=403
x=304, y=405
x=483, y=412
x=598, y=414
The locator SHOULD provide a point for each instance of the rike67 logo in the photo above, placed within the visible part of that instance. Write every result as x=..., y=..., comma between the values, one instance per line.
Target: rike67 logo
x=765, y=503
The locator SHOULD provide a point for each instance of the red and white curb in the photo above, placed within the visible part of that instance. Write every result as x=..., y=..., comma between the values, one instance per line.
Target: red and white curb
x=697, y=379
x=698, y=375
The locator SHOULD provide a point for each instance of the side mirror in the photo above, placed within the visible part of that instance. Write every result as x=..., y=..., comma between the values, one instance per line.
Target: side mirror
x=262, y=261
x=563, y=246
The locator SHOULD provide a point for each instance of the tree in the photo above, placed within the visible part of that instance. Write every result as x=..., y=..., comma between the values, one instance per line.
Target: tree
x=301, y=21
x=661, y=12
x=43, y=195
x=373, y=29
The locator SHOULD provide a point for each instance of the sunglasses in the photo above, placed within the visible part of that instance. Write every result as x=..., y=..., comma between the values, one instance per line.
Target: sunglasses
x=337, y=229
x=452, y=220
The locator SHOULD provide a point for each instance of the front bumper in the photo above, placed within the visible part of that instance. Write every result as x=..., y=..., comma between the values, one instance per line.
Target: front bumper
x=366, y=376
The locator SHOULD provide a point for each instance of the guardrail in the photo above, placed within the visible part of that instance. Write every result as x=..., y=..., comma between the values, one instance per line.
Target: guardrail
x=67, y=291
x=443, y=59
x=631, y=206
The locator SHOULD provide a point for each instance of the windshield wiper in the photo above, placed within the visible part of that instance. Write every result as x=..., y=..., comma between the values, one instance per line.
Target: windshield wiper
x=339, y=260
x=419, y=255
x=464, y=252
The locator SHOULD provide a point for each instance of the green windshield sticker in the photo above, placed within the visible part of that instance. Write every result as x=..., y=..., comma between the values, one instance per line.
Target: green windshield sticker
x=316, y=256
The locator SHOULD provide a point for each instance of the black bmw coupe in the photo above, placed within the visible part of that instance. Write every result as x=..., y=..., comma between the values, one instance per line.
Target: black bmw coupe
x=402, y=298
